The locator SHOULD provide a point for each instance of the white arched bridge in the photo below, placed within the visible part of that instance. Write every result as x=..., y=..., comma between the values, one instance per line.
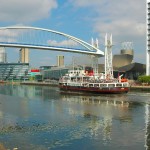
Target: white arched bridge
x=44, y=39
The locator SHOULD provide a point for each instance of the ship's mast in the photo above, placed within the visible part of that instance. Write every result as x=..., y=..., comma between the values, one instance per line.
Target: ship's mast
x=95, y=64
x=94, y=59
x=108, y=57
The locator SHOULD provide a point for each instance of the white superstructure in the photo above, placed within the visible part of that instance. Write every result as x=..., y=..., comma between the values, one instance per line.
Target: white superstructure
x=148, y=37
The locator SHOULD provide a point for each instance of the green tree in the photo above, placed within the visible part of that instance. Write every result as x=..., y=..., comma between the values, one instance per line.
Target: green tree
x=144, y=79
x=32, y=78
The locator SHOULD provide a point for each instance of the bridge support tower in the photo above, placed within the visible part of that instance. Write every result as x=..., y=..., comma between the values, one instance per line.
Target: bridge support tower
x=24, y=55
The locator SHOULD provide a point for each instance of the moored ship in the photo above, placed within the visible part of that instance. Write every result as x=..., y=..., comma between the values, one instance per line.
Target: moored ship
x=89, y=81
x=94, y=84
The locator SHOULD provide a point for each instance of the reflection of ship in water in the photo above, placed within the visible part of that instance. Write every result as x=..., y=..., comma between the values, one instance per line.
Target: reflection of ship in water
x=99, y=113
x=92, y=99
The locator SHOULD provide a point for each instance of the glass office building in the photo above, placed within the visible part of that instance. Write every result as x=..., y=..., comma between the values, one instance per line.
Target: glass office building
x=13, y=71
x=54, y=73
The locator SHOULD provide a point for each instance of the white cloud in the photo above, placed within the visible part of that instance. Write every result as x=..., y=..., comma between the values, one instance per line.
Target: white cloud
x=121, y=29
x=25, y=11
x=8, y=36
x=11, y=35
x=126, y=20
x=62, y=43
x=116, y=16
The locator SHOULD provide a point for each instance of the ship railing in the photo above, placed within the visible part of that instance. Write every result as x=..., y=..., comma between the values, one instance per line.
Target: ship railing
x=105, y=85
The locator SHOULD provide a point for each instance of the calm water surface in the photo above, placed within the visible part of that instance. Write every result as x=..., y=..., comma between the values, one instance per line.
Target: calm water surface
x=43, y=118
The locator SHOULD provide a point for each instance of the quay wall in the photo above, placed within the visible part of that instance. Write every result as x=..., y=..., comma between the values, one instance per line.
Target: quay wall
x=55, y=83
x=140, y=88
x=52, y=83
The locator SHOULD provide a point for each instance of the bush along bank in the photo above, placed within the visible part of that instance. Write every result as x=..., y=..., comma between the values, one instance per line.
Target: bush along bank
x=144, y=79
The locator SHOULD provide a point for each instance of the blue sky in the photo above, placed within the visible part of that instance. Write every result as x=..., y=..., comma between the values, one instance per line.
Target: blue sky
x=80, y=18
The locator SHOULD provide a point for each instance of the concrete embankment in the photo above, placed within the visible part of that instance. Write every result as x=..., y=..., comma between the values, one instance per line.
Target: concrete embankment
x=55, y=83
x=52, y=83
x=140, y=88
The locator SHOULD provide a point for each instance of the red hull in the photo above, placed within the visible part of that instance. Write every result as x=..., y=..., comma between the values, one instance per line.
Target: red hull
x=112, y=90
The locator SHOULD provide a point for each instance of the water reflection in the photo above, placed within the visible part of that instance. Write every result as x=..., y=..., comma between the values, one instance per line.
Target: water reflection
x=110, y=107
x=30, y=92
x=34, y=117
x=101, y=109
x=147, y=127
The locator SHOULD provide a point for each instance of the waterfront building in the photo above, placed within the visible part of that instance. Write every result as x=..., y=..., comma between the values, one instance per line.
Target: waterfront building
x=3, y=56
x=60, y=60
x=125, y=57
x=13, y=71
x=34, y=74
x=45, y=67
x=54, y=73
x=148, y=37
x=133, y=70
x=24, y=55
x=130, y=71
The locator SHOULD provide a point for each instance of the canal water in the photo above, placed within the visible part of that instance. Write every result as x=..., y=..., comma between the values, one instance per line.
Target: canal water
x=44, y=118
